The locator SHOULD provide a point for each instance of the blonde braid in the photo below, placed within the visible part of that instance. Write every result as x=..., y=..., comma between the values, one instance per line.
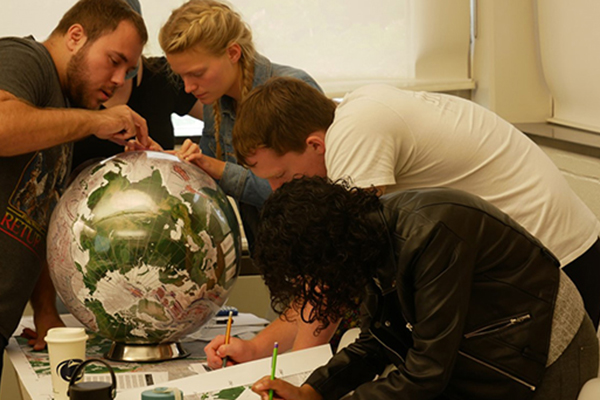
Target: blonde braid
x=247, y=65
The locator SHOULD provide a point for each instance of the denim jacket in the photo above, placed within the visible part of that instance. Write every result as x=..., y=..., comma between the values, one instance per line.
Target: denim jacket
x=237, y=181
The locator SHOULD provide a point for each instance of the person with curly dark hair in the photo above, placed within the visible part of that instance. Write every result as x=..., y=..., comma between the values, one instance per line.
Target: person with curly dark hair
x=334, y=291
x=459, y=298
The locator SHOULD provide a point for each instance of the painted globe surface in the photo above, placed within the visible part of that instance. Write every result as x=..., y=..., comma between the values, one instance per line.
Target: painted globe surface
x=143, y=248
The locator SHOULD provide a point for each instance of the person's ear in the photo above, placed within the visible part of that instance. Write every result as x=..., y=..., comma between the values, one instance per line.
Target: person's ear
x=75, y=37
x=234, y=52
x=316, y=143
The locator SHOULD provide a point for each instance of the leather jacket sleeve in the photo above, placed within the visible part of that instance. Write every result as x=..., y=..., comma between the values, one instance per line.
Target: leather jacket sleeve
x=439, y=275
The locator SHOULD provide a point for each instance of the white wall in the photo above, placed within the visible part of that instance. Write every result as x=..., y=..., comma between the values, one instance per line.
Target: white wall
x=507, y=67
x=510, y=82
x=342, y=44
x=569, y=37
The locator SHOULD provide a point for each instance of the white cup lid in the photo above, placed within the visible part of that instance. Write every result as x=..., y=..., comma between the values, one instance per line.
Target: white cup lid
x=58, y=335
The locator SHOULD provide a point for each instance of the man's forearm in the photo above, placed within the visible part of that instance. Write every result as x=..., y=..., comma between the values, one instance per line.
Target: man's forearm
x=26, y=128
x=45, y=315
x=280, y=331
x=43, y=298
x=294, y=334
x=307, y=336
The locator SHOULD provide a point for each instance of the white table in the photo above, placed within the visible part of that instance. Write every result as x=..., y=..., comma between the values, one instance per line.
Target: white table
x=33, y=369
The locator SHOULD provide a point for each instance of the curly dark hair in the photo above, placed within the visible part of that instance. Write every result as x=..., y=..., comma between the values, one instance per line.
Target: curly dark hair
x=316, y=243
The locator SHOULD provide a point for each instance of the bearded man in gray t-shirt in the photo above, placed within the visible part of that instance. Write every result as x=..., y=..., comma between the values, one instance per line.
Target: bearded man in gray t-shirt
x=49, y=92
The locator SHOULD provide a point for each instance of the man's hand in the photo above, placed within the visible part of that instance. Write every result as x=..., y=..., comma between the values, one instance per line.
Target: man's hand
x=284, y=390
x=120, y=123
x=237, y=351
x=134, y=144
x=42, y=324
x=190, y=152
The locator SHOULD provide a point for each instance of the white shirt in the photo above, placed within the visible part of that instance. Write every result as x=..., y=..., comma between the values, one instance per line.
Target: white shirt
x=383, y=136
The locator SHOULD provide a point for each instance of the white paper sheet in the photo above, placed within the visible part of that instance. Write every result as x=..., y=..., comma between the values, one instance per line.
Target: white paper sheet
x=299, y=363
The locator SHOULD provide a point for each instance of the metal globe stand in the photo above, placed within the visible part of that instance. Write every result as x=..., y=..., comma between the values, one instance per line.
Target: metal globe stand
x=145, y=353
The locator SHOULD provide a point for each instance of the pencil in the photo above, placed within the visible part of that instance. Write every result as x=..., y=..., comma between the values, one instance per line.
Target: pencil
x=228, y=334
x=273, y=364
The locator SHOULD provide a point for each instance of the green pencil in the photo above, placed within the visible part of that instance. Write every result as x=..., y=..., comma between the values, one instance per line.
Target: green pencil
x=273, y=364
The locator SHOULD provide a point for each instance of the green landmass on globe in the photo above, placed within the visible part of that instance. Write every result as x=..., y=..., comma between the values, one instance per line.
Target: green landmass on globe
x=143, y=248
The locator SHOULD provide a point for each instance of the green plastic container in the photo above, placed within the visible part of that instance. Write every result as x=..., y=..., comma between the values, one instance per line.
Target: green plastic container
x=162, y=393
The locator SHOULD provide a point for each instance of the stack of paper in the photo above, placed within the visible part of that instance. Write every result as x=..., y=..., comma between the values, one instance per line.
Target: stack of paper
x=234, y=382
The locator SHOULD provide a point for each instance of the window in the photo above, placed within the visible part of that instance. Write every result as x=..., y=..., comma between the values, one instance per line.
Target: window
x=343, y=44
x=346, y=44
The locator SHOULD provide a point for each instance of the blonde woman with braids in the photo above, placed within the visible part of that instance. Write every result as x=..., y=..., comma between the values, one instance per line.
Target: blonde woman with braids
x=210, y=47
x=207, y=43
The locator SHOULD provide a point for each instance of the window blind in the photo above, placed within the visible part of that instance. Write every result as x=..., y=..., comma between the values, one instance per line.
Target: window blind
x=344, y=44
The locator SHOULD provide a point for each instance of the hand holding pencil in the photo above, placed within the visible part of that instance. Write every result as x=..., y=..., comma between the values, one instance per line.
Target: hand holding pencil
x=284, y=390
x=273, y=367
x=237, y=350
x=269, y=385
x=228, y=335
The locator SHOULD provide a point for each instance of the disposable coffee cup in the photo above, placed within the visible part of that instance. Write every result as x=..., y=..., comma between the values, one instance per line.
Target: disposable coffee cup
x=66, y=349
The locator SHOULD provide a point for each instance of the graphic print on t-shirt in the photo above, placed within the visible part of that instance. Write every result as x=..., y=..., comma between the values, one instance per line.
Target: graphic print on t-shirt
x=34, y=197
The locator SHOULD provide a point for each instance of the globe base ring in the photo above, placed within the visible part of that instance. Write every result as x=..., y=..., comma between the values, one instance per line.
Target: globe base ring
x=142, y=353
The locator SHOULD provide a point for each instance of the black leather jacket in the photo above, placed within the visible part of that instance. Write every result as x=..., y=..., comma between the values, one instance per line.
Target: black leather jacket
x=463, y=307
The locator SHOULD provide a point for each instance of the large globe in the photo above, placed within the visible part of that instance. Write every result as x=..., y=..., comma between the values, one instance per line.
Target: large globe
x=143, y=248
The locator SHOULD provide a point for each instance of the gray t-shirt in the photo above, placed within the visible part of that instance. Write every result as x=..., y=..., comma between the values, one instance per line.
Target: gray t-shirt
x=30, y=184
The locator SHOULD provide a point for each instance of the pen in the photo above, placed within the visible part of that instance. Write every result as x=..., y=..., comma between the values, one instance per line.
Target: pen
x=273, y=364
x=228, y=334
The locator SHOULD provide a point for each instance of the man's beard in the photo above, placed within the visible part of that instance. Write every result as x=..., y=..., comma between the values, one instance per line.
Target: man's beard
x=78, y=75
